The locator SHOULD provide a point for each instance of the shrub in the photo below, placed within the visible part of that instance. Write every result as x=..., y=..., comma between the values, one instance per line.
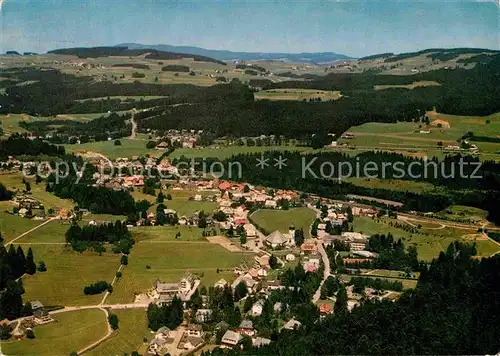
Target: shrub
x=41, y=267
x=96, y=288
x=118, y=143
x=124, y=260
x=113, y=321
x=30, y=334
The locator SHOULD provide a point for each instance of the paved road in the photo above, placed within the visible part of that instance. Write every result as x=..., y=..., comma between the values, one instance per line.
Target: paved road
x=326, y=272
x=324, y=257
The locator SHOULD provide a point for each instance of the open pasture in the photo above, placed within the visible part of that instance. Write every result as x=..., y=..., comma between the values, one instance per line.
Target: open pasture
x=297, y=94
x=128, y=148
x=68, y=272
x=224, y=152
x=71, y=332
x=407, y=136
x=167, y=233
x=433, y=239
x=422, y=83
x=392, y=184
x=11, y=226
x=271, y=220
x=14, y=182
x=133, y=327
x=169, y=261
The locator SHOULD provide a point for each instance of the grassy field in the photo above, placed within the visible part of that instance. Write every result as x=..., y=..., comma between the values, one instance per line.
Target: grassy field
x=388, y=273
x=14, y=181
x=405, y=136
x=187, y=207
x=72, y=331
x=10, y=122
x=464, y=212
x=407, y=283
x=169, y=261
x=433, y=240
x=103, y=217
x=133, y=327
x=180, y=201
x=369, y=226
x=228, y=151
x=392, y=184
x=422, y=83
x=68, y=272
x=281, y=220
x=167, y=233
x=297, y=94
x=125, y=98
x=52, y=232
x=128, y=148
x=11, y=226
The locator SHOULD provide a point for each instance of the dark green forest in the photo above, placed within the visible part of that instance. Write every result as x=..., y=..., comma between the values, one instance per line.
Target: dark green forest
x=96, y=52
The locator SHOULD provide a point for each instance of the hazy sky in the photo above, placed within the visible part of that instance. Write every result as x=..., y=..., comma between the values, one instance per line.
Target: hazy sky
x=352, y=27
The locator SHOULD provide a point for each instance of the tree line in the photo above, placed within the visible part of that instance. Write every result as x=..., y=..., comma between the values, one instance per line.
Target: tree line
x=13, y=264
x=81, y=237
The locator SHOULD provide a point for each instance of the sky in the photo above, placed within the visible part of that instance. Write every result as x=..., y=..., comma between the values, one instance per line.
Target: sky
x=352, y=27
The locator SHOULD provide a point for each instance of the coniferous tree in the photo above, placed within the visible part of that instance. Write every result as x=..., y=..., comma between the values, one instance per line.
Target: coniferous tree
x=340, y=306
x=30, y=266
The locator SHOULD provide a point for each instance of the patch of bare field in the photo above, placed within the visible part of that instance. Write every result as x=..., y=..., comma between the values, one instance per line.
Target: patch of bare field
x=224, y=242
x=422, y=83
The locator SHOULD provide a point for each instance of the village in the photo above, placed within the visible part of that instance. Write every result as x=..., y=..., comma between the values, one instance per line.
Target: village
x=275, y=252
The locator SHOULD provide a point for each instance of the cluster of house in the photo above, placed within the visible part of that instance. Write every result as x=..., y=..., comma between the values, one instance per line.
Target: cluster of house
x=28, y=207
x=182, y=138
x=233, y=192
x=471, y=147
x=12, y=164
x=163, y=293
x=232, y=338
x=191, y=339
x=356, y=241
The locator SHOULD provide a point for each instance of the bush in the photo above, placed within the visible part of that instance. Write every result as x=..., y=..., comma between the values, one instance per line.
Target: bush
x=118, y=143
x=175, y=68
x=148, y=267
x=150, y=145
x=138, y=75
x=113, y=321
x=96, y=288
x=5, y=332
x=124, y=260
x=119, y=275
x=41, y=267
x=30, y=334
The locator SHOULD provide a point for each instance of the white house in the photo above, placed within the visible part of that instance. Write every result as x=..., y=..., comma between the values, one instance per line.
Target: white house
x=231, y=338
x=257, y=308
x=292, y=324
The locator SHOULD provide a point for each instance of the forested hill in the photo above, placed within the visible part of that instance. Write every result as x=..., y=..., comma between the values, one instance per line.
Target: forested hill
x=96, y=52
x=454, y=310
x=443, y=54
x=224, y=55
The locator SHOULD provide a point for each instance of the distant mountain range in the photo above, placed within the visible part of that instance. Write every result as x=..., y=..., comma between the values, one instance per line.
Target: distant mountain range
x=222, y=55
